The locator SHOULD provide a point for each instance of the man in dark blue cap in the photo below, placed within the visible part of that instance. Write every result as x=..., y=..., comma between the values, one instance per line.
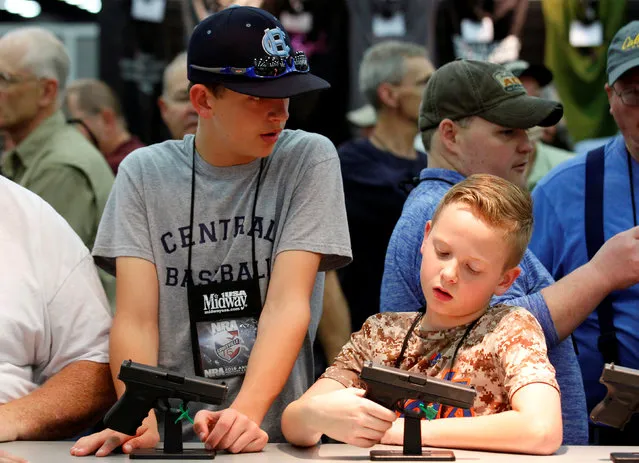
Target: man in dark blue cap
x=218, y=238
x=591, y=200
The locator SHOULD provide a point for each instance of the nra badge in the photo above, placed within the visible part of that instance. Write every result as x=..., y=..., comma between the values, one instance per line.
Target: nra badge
x=508, y=81
x=227, y=341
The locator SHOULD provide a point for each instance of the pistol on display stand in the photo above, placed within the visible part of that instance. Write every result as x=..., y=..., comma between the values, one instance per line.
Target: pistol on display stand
x=620, y=403
x=391, y=387
x=150, y=387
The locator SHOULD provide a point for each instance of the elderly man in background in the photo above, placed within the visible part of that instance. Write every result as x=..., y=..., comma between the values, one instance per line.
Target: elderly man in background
x=50, y=157
x=96, y=108
x=175, y=107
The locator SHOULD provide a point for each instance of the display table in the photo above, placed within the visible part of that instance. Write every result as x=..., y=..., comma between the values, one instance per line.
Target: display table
x=58, y=452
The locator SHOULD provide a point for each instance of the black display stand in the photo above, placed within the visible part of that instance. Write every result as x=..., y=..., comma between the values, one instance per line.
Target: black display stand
x=412, y=450
x=173, y=448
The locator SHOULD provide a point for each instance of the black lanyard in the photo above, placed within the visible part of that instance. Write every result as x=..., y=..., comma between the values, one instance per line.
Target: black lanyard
x=400, y=357
x=192, y=241
x=632, y=189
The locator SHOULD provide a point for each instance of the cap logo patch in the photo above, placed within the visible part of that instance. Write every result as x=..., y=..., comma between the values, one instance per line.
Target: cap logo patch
x=274, y=42
x=508, y=81
x=630, y=42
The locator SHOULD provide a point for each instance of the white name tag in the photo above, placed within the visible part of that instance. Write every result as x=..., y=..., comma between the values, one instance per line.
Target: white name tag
x=582, y=35
x=148, y=10
x=300, y=23
x=477, y=32
x=395, y=26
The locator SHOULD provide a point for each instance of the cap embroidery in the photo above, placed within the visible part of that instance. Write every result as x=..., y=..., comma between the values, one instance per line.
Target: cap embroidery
x=274, y=42
x=508, y=81
x=630, y=42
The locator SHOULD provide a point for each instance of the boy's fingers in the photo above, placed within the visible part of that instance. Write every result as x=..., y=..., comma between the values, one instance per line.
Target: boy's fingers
x=381, y=412
x=90, y=444
x=147, y=440
x=357, y=391
x=241, y=442
x=203, y=422
x=376, y=424
x=257, y=445
x=224, y=423
x=240, y=426
x=111, y=443
x=363, y=442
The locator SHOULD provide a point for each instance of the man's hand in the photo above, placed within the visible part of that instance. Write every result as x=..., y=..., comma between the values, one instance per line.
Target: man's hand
x=347, y=416
x=104, y=442
x=229, y=430
x=617, y=262
x=8, y=458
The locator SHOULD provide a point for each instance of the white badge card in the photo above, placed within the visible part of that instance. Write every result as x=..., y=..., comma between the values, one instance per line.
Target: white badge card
x=586, y=35
x=477, y=31
x=297, y=23
x=148, y=10
x=393, y=26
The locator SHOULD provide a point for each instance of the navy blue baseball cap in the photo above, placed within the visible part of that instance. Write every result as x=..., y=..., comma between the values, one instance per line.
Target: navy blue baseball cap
x=247, y=50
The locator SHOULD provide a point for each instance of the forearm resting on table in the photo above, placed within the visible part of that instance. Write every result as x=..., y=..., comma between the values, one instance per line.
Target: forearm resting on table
x=272, y=357
x=524, y=429
x=69, y=402
x=281, y=330
x=298, y=423
x=297, y=428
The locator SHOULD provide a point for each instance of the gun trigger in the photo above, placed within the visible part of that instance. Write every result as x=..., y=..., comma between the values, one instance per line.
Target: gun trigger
x=417, y=380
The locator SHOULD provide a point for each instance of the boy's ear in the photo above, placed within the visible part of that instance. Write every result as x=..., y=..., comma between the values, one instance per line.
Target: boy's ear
x=199, y=99
x=507, y=279
x=427, y=229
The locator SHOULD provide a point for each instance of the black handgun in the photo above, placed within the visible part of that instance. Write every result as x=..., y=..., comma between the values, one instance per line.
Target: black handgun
x=390, y=387
x=147, y=386
x=622, y=399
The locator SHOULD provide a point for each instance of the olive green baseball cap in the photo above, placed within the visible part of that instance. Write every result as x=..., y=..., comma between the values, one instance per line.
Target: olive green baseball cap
x=623, y=52
x=465, y=88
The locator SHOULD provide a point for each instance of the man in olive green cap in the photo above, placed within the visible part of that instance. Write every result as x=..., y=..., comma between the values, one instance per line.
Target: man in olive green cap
x=474, y=119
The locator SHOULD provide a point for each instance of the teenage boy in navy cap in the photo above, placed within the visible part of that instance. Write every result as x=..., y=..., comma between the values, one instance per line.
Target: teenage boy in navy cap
x=218, y=238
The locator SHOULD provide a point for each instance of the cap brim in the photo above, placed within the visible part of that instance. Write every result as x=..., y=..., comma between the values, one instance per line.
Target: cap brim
x=625, y=67
x=283, y=87
x=524, y=112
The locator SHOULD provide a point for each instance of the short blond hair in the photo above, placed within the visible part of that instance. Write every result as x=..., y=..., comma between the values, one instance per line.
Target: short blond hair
x=498, y=203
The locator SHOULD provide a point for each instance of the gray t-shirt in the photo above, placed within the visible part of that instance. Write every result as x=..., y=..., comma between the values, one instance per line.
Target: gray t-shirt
x=300, y=207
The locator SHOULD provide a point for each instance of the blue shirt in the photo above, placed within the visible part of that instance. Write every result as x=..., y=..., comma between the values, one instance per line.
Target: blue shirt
x=401, y=292
x=559, y=242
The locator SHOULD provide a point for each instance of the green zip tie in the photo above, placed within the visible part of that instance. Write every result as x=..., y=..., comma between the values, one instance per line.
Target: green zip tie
x=184, y=414
x=429, y=411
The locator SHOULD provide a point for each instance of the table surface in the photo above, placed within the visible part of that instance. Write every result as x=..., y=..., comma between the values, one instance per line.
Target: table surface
x=58, y=452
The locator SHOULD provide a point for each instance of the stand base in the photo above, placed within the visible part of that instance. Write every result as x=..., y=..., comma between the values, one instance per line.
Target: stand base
x=629, y=457
x=159, y=454
x=399, y=455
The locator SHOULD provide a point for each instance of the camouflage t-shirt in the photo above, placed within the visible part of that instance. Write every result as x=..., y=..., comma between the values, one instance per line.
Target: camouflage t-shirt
x=503, y=352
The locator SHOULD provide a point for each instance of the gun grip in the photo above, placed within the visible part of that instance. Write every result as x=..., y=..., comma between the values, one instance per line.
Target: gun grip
x=127, y=413
x=611, y=412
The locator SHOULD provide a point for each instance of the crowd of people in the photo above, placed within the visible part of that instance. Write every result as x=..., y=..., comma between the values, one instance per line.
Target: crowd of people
x=450, y=239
